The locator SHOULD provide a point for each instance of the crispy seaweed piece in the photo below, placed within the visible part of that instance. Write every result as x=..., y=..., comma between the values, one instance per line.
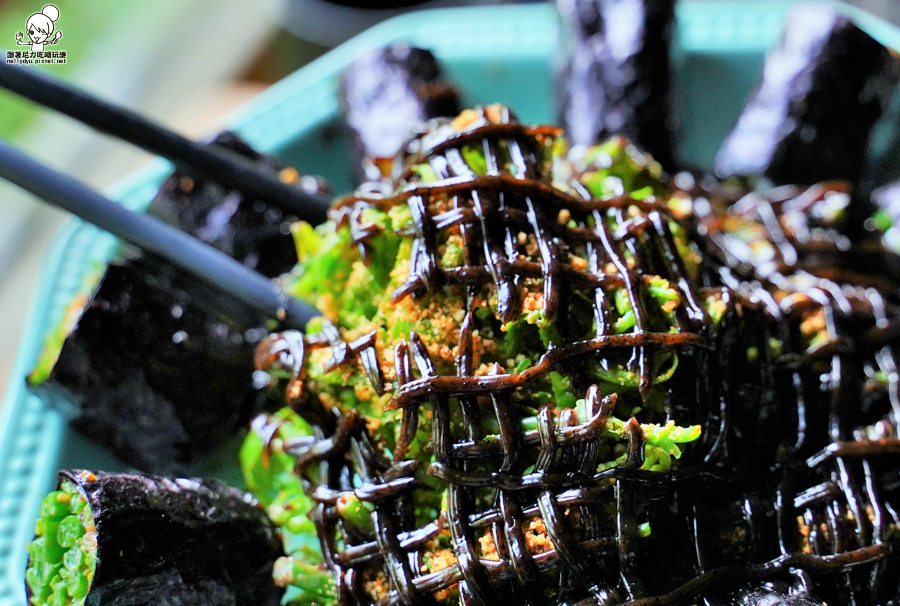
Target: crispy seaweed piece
x=617, y=77
x=159, y=366
x=823, y=88
x=151, y=540
x=385, y=95
x=251, y=231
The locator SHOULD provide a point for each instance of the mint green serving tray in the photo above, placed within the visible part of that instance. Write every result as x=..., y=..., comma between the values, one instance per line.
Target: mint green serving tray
x=501, y=54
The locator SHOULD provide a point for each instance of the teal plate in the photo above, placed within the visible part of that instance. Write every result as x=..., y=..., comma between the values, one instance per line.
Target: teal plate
x=498, y=54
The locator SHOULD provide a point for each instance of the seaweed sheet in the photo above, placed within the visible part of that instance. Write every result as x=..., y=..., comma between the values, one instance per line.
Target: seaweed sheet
x=159, y=366
x=385, y=95
x=822, y=90
x=177, y=541
x=250, y=231
x=617, y=77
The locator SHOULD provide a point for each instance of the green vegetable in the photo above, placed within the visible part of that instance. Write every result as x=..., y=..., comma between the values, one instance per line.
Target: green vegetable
x=454, y=255
x=665, y=365
x=562, y=390
x=661, y=443
x=307, y=240
x=316, y=584
x=358, y=513
x=62, y=559
x=475, y=159
x=425, y=173
x=881, y=220
x=616, y=166
x=622, y=303
x=660, y=290
x=269, y=474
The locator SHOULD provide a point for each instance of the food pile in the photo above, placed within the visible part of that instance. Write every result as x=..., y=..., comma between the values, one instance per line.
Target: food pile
x=544, y=373
x=527, y=382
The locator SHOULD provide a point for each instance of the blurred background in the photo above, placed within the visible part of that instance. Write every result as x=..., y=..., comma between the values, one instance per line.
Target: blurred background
x=186, y=64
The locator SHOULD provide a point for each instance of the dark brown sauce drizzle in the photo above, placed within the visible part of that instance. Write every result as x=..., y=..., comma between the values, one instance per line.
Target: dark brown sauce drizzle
x=802, y=435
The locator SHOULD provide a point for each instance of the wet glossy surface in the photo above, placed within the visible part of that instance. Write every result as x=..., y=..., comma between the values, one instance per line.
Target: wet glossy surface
x=163, y=541
x=822, y=90
x=616, y=79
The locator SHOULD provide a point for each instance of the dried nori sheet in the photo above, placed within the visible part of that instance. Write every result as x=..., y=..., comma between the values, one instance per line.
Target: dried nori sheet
x=159, y=366
x=384, y=95
x=617, y=77
x=823, y=88
x=252, y=231
x=178, y=541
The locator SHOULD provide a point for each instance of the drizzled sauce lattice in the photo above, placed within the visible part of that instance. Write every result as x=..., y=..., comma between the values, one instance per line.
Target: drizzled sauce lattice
x=829, y=511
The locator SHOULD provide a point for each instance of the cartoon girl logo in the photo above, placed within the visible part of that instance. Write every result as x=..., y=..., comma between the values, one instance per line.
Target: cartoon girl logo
x=39, y=27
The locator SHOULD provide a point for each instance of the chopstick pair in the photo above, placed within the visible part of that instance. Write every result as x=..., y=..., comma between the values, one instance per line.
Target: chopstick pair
x=146, y=232
x=221, y=165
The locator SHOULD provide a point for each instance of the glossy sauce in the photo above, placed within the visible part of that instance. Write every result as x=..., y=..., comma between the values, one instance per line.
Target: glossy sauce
x=781, y=440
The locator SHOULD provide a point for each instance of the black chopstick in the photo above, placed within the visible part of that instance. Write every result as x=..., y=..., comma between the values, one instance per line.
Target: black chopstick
x=223, y=166
x=154, y=236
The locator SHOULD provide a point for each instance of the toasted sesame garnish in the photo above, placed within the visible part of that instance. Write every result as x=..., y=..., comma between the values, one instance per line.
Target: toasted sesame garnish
x=804, y=532
x=442, y=559
x=532, y=248
x=488, y=547
x=494, y=113
x=536, y=535
x=736, y=536
x=400, y=273
x=378, y=587
x=578, y=262
x=466, y=118
x=813, y=323
x=294, y=390
x=288, y=175
x=823, y=528
x=533, y=301
x=363, y=392
x=328, y=306
x=489, y=369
